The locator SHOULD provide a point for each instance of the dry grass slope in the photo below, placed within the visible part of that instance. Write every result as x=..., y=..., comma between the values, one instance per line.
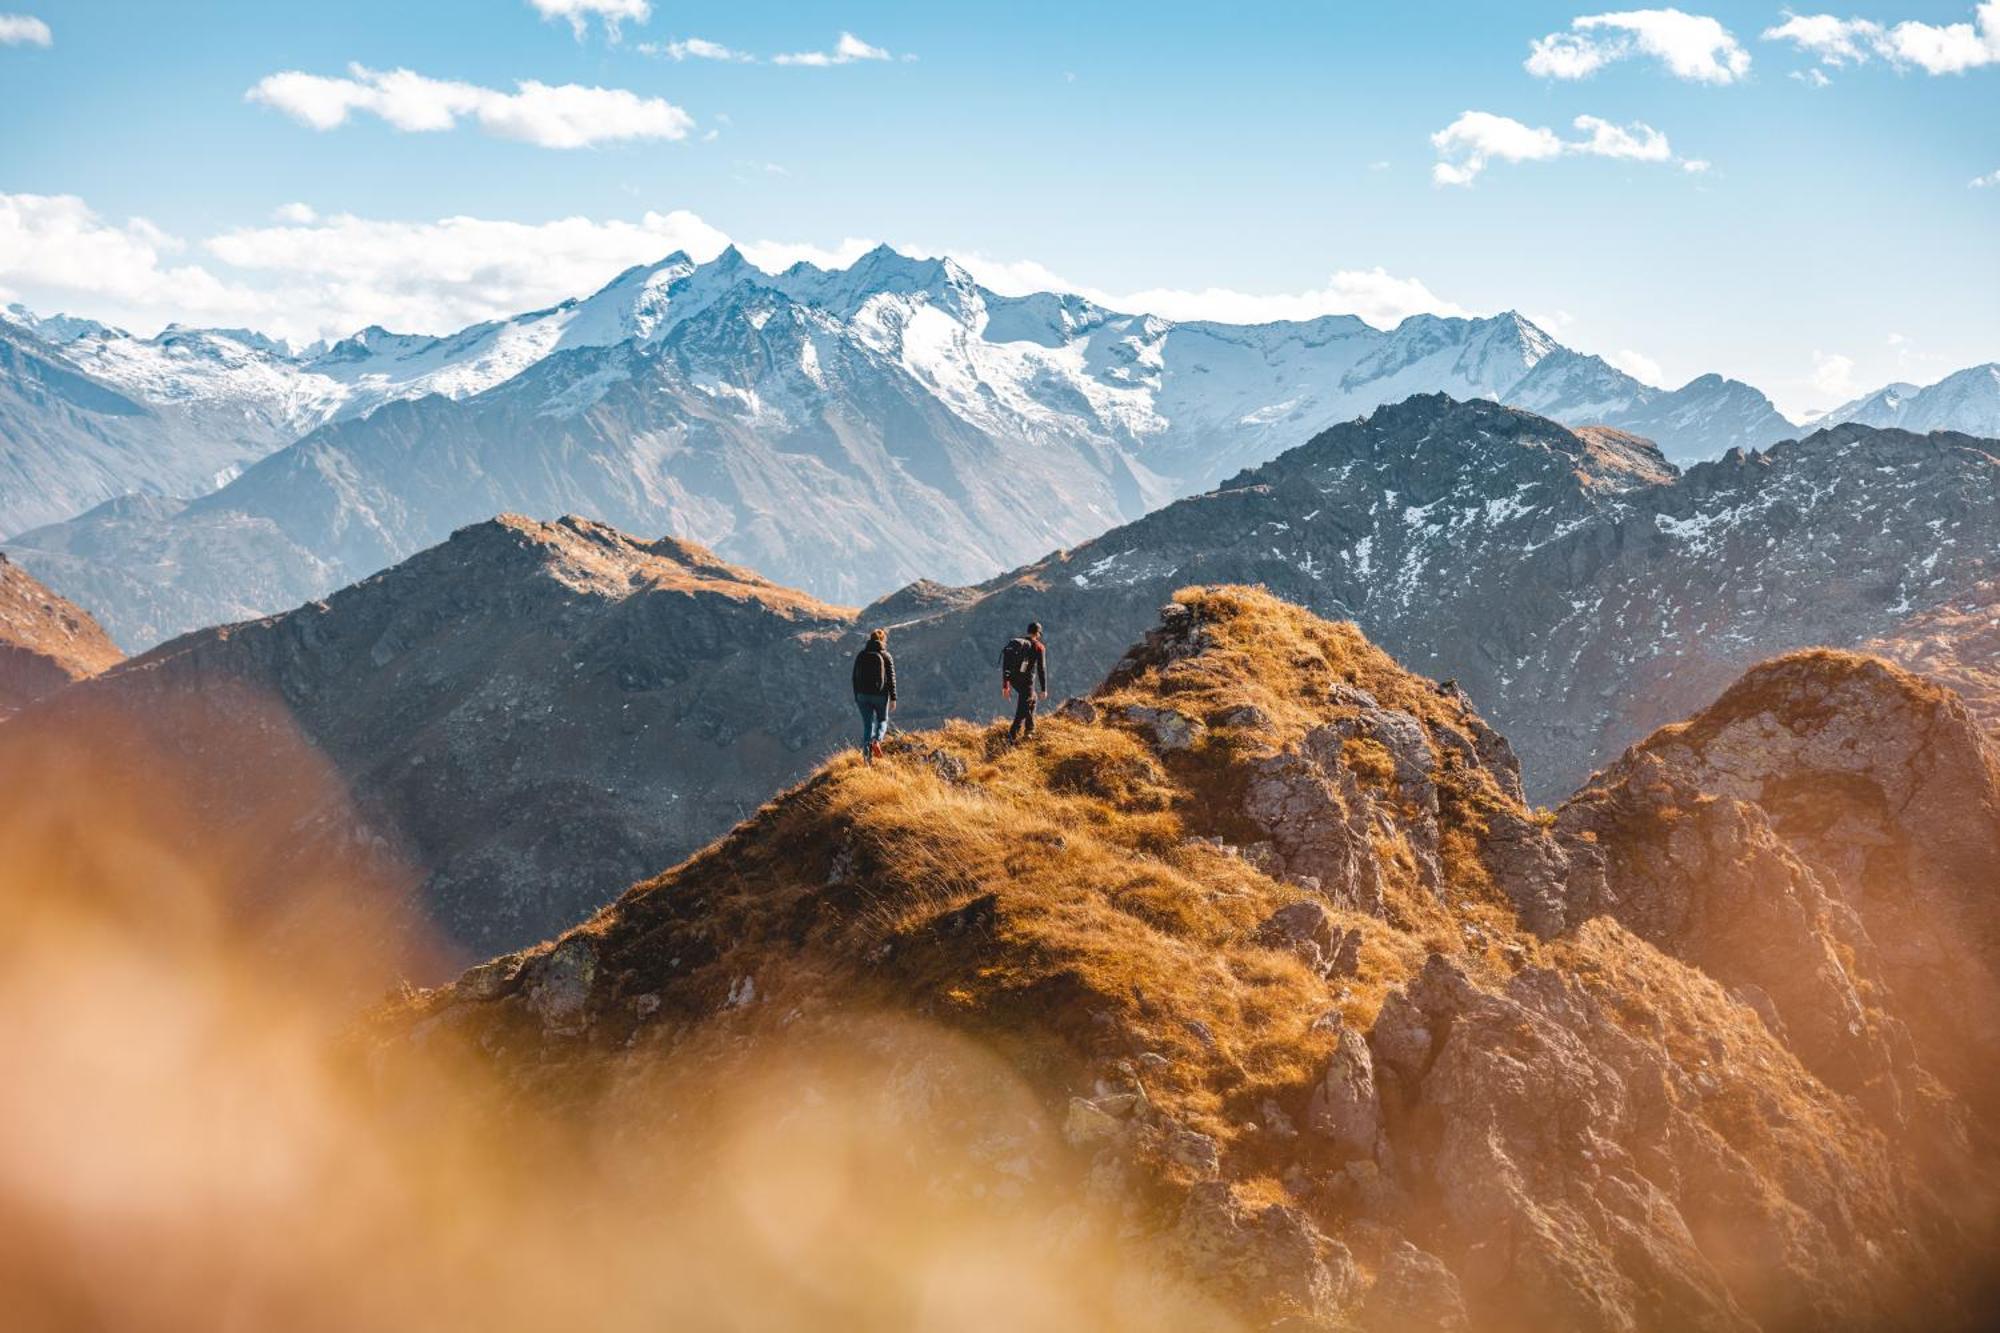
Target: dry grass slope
x=1090, y=909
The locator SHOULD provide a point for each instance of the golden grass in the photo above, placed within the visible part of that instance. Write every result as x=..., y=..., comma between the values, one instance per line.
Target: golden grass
x=1063, y=902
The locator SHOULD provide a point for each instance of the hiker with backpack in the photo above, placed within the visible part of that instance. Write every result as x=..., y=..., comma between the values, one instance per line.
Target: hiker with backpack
x=874, y=691
x=1024, y=663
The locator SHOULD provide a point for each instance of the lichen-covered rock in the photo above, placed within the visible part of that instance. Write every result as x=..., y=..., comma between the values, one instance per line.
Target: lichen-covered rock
x=1271, y=1257
x=1168, y=729
x=945, y=764
x=1345, y=1109
x=557, y=984
x=1412, y=1291
x=1077, y=709
x=1593, y=1177
x=1306, y=929
x=1531, y=868
x=1317, y=822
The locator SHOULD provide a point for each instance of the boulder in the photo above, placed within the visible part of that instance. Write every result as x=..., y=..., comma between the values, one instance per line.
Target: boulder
x=1271, y=1257
x=1345, y=1109
x=1413, y=1290
x=558, y=983
x=1170, y=731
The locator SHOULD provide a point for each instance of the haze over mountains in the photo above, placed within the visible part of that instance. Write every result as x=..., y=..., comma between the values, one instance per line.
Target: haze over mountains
x=533, y=713
x=840, y=431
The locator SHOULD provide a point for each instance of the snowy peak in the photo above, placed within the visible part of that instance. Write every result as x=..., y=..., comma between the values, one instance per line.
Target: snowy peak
x=1533, y=341
x=644, y=304
x=1967, y=400
x=56, y=330
x=885, y=272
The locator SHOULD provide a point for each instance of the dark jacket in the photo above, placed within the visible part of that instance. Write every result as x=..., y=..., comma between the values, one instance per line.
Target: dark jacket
x=865, y=673
x=1035, y=669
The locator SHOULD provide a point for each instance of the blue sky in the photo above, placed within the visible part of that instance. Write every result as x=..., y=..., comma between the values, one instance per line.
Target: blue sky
x=1200, y=159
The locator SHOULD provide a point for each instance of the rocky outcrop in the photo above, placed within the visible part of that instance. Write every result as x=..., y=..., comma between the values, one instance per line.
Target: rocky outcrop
x=1590, y=1175
x=1828, y=831
x=1677, y=1086
x=45, y=641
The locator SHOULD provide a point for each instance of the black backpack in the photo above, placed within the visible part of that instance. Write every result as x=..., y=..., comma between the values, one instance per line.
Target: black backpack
x=871, y=672
x=1017, y=659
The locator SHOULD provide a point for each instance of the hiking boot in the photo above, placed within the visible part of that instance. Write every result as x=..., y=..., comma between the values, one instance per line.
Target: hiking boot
x=875, y=749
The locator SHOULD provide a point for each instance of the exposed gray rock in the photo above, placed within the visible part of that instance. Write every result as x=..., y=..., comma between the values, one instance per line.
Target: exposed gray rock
x=1318, y=823
x=1413, y=1290
x=1306, y=929
x=557, y=984
x=1345, y=1109
x=1270, y=1257
x=1077, y=709
x=1168, y=730
x=1193, y=1150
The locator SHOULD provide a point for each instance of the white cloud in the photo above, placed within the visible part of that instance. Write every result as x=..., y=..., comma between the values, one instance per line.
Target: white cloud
x=1990, y=180
x=1374, y=295
x=297, y=214
x=340, y=272
x=1690, y=46
x=579, y=12
x=845, y=52
x=1811, y=78
x=1639, y=366
x=1476, y=138
x=1562, y=55
x=345, y=272
x=1695, y=166
x=696, y=48
x=1950, y=48
x=55, y=249
x=1836, y=41
x=24, y=30
x=1833, y=375
x=551, y=116
x=1641, y=143
x=1937, y=48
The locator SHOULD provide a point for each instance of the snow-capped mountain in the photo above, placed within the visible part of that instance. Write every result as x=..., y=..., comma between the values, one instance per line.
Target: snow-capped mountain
x=842, y=430
x=69, y=438
x=1968, y=400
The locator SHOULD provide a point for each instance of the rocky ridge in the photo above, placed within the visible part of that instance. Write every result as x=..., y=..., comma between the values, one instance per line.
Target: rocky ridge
x=1316, y=1011
x=527, y=713
x=45, y=641
x=1570, y=581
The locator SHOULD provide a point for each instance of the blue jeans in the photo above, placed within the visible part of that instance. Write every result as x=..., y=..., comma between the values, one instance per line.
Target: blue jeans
x=874, y=717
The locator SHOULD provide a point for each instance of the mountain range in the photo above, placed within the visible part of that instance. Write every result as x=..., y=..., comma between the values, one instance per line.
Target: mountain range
x=531, y=714
x=843, y=431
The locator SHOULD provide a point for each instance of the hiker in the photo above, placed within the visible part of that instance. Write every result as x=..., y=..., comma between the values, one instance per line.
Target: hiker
x=874, y=691
x=1024, y=663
